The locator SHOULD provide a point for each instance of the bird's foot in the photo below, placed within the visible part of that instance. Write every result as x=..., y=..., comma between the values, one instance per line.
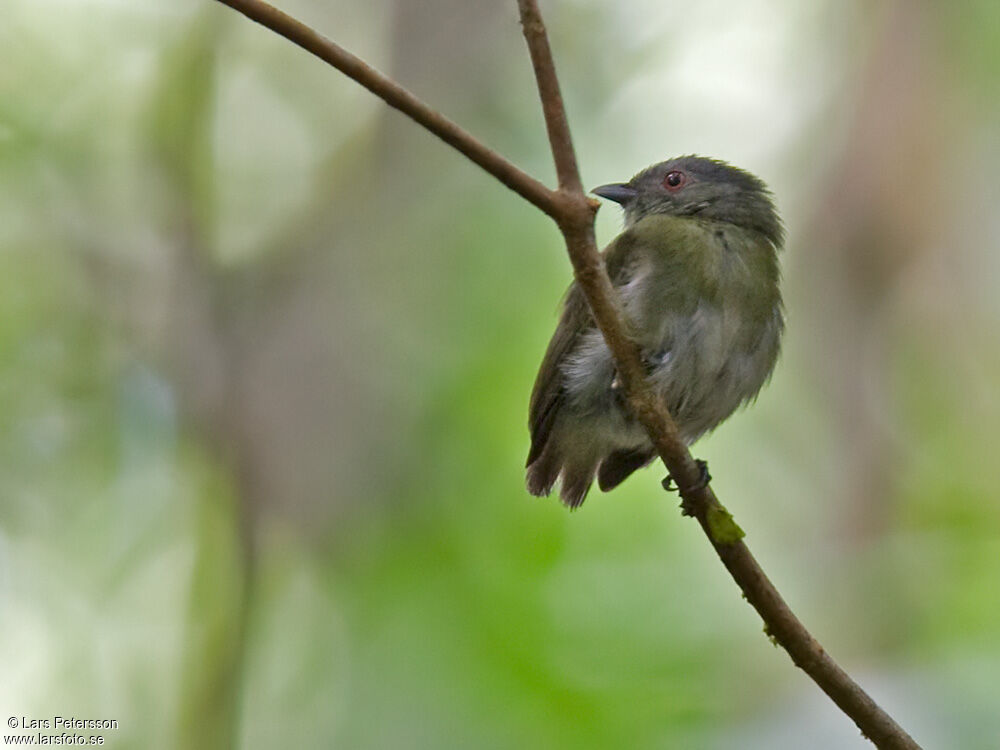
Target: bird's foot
x=703, y=479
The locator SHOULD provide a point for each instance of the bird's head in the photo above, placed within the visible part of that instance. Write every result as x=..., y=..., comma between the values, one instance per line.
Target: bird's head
x=698, y=187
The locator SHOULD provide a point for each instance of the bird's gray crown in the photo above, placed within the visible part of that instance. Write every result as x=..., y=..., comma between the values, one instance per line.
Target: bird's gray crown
x=699, y=187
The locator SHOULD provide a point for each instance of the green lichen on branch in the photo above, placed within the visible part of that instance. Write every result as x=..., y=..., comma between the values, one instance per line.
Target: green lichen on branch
x=771, y=636
x=721, y=525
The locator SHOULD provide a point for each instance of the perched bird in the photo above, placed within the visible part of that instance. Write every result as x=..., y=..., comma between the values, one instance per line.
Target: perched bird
x=696, y=270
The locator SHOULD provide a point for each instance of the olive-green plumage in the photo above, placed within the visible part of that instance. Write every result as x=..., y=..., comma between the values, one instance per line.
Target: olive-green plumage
x=697, y=273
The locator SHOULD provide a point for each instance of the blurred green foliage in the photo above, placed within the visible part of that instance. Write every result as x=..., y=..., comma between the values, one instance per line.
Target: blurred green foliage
x=265, y=353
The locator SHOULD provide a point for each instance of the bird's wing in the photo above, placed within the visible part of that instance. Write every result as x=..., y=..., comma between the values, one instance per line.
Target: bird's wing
x=548, y=394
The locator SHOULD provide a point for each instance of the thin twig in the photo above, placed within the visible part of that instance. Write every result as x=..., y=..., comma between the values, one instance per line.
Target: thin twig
x=400, y=98
x=552, y=103
x=574, y=213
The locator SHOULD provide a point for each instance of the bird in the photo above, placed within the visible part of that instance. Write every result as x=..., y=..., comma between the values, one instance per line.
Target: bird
x=697, y=274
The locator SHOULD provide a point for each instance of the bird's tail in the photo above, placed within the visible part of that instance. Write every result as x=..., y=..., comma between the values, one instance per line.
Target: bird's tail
x=576, y=472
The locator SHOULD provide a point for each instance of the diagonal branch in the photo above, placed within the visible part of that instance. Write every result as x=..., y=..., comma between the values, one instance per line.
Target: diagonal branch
x=399, y=98
x=699, y=500
x=574, y=213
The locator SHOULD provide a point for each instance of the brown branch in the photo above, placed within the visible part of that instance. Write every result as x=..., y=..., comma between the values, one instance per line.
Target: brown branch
x=399, y=98
x=574, y=213
x=556, y=122
x=699, y=501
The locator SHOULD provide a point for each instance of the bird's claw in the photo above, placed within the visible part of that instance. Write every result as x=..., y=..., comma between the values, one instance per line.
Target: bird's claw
x=703, y=479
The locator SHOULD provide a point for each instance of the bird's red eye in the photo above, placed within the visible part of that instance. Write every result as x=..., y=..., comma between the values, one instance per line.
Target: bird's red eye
x=674, y=180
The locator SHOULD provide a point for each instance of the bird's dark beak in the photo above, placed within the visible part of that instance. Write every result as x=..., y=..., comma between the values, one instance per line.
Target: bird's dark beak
x=619, y=192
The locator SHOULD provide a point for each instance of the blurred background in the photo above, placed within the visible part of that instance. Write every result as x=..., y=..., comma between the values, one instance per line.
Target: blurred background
x=266, y=350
